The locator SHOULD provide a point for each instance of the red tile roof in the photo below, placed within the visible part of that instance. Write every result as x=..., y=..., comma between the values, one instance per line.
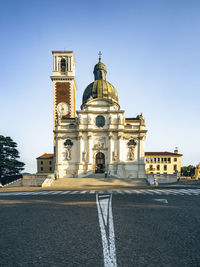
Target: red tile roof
x=162, y=154
x=46, y=156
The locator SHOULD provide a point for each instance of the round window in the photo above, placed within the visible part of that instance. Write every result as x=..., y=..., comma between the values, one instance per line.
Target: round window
x=100, y=121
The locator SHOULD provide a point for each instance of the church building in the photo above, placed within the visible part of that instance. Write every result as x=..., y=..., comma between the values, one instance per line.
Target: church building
x=98, y=137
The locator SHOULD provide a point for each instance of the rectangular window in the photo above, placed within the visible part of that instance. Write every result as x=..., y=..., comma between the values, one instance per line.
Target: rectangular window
x=50, y=162
x=175, y=159
x=169, y=160
x=154, y=159
x=165, y=167
x=175, y=167
x=41, y=162
x=158, y=159
x=50, y=168
x=41, y=168
x=151, y=159
x=147, y=159
x=151, y=167
x=165, y=159
x=158, y=167
x=161, y=159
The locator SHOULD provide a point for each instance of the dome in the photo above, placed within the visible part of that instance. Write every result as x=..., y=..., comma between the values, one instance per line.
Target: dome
x=100, y=88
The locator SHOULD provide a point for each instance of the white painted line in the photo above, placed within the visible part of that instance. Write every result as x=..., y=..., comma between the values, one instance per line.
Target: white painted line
x=104, y=207
x=74, y=192
x=194, y=191
x=177, y=192
x=92, y=192
x=136, y=191
x=186, y=192
x=33, y=193
x=65, y=192
x=47, y=193
x=154, y=191
x=83, y=192
x=161, y=200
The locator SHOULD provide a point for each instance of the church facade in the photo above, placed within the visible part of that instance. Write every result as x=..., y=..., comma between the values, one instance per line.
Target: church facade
x=98, y=137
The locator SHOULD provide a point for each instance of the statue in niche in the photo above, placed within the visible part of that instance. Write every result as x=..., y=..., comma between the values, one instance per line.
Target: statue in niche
x=68, y=153
x=131, y=145
x=131, y=153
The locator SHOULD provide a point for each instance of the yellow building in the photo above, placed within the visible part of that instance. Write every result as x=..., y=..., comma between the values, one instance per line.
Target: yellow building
x=163, y=162
x=45, y=163
x=197, y=172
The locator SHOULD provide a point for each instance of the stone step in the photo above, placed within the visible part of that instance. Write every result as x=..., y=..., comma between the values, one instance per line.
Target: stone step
x=98, y=182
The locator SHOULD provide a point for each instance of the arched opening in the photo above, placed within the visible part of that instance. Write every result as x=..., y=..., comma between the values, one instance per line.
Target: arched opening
x=63, y=65
x=100, y=163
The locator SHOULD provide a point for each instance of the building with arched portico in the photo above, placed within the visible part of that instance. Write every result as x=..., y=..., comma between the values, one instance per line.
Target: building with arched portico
x=98, y=137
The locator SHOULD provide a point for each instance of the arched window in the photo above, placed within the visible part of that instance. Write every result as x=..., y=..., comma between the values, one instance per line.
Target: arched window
x=63, y=65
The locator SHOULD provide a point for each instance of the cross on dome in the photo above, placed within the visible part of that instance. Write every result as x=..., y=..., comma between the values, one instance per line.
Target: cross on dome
x=100, y=54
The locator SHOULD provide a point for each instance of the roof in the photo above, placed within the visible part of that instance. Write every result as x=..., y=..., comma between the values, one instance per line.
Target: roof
x=162, y=154
x=46, y=156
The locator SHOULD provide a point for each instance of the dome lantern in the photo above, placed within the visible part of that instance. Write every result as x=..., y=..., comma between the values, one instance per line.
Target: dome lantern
x=100, y=88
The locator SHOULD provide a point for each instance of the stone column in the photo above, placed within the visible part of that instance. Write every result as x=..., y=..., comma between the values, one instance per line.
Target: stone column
x=110, y=149
x=119, y=147
x=58, y=163
x=89, y=152
x=80, y=148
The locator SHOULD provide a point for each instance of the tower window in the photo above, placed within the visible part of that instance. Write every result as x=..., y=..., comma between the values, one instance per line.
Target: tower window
x=63, y=65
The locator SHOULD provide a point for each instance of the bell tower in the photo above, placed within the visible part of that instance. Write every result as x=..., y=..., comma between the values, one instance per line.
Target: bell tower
x=64, y=83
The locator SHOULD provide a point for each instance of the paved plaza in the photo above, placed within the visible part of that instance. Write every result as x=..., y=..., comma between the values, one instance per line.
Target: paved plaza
x=149, y=227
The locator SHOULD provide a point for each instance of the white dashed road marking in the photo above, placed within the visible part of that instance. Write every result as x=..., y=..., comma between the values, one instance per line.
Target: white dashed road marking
x=188, y=192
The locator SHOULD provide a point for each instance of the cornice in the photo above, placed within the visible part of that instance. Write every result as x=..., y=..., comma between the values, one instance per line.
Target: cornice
x=99, y=112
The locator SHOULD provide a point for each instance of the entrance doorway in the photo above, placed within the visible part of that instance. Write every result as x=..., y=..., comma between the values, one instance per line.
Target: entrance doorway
x=100, y=163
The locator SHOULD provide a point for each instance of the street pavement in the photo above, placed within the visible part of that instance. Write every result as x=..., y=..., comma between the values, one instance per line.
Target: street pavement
x=141, y=227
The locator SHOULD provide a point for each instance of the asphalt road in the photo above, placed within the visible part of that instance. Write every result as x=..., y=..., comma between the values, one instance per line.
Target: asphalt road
x=65, y=229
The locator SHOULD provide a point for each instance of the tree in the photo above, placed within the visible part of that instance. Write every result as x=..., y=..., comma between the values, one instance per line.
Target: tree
x=188, y=170
x=9, y=165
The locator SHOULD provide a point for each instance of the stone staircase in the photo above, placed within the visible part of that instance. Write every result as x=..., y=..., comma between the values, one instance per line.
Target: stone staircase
x=97, y=182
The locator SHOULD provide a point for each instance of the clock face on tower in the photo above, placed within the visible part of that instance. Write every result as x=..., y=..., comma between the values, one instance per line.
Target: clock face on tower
x=63, y=109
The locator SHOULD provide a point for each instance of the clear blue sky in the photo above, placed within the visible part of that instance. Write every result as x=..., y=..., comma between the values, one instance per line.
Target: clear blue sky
x=151, y=50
